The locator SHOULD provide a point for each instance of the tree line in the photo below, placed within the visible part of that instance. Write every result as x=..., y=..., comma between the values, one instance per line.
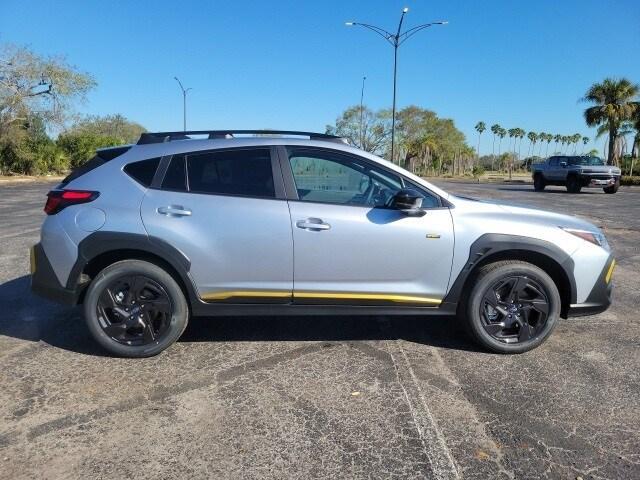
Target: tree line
x=615, y=111
x=37, y=97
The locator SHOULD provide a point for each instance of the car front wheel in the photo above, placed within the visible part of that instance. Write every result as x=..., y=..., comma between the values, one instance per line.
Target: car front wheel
x=613, y=188
x=513, y=306
x=573, y=184
x=135, y=308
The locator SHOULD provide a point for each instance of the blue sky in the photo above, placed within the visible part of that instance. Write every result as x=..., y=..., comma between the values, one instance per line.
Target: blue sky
x=294, y=65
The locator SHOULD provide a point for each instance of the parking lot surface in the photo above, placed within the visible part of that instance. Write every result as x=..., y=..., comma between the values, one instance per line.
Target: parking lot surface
x=321, y=397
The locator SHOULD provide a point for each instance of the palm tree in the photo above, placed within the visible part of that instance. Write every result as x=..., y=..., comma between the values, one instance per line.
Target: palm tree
x=614, y=104
x=480, y=127
x=585, y=140
x=501, y=133
x=521, y=134
x=548, y=137
x=575, y=139
x=563, y=141
x=495, y=128
x=533, y=138
x=557, y=137
x=541, y=137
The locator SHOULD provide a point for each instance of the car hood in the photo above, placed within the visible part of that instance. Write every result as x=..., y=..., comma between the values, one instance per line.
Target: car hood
x=511, y=212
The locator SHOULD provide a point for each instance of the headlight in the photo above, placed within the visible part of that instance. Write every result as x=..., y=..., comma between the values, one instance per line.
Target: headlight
x=597, y=238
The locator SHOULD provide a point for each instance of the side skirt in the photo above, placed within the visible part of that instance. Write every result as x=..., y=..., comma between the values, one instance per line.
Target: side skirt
x=202, y=309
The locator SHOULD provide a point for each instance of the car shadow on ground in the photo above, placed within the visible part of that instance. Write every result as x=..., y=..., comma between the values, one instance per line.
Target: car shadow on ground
x=26, y=316
x=547, y=190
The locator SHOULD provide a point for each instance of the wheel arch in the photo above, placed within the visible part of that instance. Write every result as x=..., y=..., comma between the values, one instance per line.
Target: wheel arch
x=101, y=249
x=492, y=248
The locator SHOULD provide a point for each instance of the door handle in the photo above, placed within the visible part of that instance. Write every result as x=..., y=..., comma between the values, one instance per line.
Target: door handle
x=174, y=211
x=313, y=224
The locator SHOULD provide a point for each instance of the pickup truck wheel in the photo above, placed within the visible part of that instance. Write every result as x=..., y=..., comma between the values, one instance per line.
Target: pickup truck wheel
x=613, y=188
x=513, y=306
x=573, y=184
x=539, y=183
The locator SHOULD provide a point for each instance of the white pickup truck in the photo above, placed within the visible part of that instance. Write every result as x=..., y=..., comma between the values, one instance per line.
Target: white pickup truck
x=576, y=172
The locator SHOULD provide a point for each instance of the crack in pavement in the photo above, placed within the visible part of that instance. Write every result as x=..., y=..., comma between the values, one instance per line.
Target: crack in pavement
x=164, y=393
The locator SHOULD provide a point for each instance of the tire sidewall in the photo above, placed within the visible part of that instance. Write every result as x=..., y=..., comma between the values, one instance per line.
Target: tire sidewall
x=486, y=281
x=180, y=309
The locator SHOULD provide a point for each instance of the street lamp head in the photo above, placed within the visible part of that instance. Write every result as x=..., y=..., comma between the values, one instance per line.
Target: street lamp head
x=349, y=24
x=445, y=22
x=405, y=9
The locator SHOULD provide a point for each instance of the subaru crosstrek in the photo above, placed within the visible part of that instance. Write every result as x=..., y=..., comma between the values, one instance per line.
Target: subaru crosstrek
x=147, y=235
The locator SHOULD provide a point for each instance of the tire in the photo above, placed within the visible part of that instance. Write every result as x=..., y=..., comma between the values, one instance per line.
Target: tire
x=513, y=338
x=613, y=188
x=135, y=308
x=539, y=183
x=573, y=184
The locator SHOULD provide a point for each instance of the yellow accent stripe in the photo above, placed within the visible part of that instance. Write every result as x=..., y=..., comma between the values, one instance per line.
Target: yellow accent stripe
x=324, y=295
x=367, y=296
x=32, y=258
x=610, y=272
x=248, y=293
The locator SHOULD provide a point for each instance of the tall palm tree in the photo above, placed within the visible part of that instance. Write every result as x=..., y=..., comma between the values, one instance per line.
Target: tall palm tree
x=614, y=104
x=541, y=137
x=548, y=138
x=557, y=137
x=521, y=134
x=501, y=133
x=585, y=140
x=576, y=138
x=480, y=127
x=533, y=138
x=495, y=128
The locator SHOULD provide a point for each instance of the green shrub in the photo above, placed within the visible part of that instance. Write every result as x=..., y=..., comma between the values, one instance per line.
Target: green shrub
x=627, y=180
x=478, y=170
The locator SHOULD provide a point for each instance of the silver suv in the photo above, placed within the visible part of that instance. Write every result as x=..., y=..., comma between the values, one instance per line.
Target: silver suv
x=243, y=223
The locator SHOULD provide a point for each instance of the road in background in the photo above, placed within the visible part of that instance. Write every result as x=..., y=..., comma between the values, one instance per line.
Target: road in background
x=322, y=397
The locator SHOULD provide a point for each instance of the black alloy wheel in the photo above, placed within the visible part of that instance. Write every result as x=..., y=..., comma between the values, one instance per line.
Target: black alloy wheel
x=514, y=309
x=134, y=310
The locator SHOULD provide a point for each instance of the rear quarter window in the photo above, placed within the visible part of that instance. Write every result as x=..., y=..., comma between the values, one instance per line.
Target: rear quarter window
x=143, y=171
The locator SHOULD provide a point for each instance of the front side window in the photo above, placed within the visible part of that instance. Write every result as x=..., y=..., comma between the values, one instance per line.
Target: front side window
x=329, y=177
x=244, y=172
x=553, y=162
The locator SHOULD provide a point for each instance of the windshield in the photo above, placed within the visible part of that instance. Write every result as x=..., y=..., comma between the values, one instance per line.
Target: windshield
x=585, y=161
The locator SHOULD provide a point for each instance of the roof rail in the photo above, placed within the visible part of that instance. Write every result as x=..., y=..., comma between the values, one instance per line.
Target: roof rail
x=161, y=137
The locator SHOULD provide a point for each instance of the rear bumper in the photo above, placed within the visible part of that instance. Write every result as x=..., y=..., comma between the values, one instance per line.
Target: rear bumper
x=601, y=295
x=44, y=282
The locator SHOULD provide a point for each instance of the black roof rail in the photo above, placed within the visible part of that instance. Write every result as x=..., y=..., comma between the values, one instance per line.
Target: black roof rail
x=161, y=137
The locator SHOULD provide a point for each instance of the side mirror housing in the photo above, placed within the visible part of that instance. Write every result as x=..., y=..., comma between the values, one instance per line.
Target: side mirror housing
x=409, y=202
x=563, y=164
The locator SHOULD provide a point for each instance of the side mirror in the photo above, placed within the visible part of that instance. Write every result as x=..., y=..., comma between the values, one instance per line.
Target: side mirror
x=563, y=164
x=409, y=202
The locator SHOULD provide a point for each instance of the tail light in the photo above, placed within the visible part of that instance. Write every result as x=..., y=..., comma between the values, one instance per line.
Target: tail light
x=58, y=200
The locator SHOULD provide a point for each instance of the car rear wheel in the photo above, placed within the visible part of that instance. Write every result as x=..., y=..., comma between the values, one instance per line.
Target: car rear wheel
x=513, y=307
x=539, y=183
x=135, y=308
x=613, y=188
x=573, y=184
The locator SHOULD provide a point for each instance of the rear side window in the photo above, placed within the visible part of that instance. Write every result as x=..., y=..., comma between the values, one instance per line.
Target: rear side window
x=553, y=162
x=143, y=172
x=176, y=176
x=233, y=172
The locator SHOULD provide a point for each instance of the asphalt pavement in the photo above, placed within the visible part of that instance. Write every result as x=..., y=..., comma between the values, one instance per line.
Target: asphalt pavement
x=317, y=397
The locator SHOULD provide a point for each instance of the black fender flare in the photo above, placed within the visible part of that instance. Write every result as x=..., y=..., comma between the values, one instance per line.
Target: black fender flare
x=497, y=244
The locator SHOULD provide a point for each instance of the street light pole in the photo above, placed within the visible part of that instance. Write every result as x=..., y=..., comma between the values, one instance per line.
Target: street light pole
x=361, y=112
x=184, y=104
x=395, y=40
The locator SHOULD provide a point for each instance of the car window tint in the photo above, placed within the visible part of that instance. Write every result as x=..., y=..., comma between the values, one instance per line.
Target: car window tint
x=143, y=171
x=175, y=178
x=553, y=162
x=335, y=178
x=233, y=172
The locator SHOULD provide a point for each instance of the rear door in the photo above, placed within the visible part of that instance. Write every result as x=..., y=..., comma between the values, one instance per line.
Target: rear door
x=349, y=247
x=225, y=210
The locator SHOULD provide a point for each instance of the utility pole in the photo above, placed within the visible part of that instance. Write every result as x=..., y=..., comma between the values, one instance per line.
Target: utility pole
x=361, y=114
x=184, y=104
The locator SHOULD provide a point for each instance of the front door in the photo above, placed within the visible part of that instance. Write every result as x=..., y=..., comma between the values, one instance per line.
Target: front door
x=350, y=248
x=221, y=209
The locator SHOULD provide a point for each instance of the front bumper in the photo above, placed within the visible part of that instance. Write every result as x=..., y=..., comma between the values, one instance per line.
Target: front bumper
x=44, y=281
x=601, y=295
